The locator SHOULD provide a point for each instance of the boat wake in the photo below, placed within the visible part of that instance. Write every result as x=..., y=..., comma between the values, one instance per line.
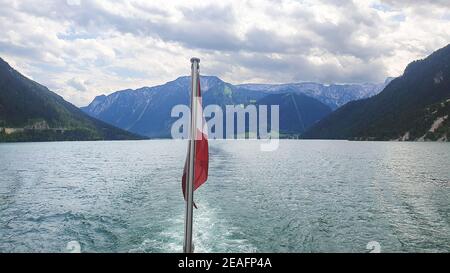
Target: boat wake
x=211, y=234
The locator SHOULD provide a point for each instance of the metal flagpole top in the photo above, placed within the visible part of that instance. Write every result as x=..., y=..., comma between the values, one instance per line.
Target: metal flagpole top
x=194, y=59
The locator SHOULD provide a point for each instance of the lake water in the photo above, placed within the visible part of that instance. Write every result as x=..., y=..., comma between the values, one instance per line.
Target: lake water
x=308, y=196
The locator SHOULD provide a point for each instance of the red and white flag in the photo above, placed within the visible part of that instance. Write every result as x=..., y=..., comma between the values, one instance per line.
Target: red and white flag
x=201, y=156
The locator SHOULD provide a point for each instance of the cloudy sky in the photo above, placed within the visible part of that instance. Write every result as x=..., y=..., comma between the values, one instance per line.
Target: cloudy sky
x=82, y=48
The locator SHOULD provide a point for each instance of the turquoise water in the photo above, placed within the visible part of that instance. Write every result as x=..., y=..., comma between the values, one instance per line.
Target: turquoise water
x=308, y=196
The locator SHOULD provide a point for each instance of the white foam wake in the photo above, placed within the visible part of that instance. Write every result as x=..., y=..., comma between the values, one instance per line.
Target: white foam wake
x=211, y=234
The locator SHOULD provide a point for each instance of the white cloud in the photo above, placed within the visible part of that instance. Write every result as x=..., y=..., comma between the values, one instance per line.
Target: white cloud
x=84, y=48
x=77, y=84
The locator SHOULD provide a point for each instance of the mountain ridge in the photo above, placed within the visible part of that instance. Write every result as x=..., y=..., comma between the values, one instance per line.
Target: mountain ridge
x=29, y=111
x=368, y=89
x=406, y=109
x=146, y=110
x=297, y=113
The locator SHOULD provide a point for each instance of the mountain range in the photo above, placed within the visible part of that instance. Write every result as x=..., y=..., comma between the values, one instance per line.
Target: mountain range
x=146, y=111
x=414, y=106
x=333, y=95
x=31, y=112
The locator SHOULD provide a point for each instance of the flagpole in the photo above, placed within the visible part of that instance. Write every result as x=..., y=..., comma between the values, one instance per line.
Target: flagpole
x=188, y=246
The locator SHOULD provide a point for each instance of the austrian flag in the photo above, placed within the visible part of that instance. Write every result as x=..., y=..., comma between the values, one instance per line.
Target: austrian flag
x=201, y=156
